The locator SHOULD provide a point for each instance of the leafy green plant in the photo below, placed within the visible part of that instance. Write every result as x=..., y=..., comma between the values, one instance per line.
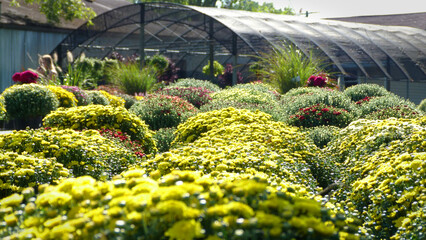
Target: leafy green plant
x=96, y=97
x=164, y=138
x=322, y=135
x=134, y=80
x=217, y=68
x=28, y=101
x=128, y=100
x=245, y=95
x=197, y=96
x=162, y=111
x=159, y=62
x=261, y=87
x=76, y=76
x=286, y=67
x=360, y=91
x=192, y=82
x=102, y=117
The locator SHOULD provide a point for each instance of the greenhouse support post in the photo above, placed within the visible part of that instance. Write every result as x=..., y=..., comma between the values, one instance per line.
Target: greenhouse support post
x=211, y=44
x=235, y=59
x=142, y=36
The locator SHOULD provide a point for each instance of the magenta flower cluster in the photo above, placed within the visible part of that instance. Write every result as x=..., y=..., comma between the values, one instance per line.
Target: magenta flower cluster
x=316, y=81
x=25, y=77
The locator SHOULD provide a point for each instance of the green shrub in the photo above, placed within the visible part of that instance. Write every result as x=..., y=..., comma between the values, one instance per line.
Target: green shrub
x=162, y=111
x=2, y=109
x=102, y=117
x=217, y=68
x=28, y=101
x=197, y=96
x=291, y=104
x=93, y=67
x=82, y=152
x=134, y=80
x=286, y=67
x=159, y=62
x=82, y=98
x=360, y=91
x=396, y=112
x=129, y=100
x=244, y=95
x=113, y=100
x=97, y=98
x=181, y=205
x=20, y=171
x=192, y=82
x=261, y=87
x=269, y=108
x=422, y=105
x=164, y=138
x=378, y=103
x=322, y=135
x=320, y=115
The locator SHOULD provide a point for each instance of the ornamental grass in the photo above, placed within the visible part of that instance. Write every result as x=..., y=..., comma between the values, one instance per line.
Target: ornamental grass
x=180, y=205
x=102, y=117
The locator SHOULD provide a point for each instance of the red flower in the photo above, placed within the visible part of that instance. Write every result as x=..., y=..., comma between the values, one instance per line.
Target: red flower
x=301, y=117
x=29, y=77
x=16, y=77
x=336, y=113
x=325, y=109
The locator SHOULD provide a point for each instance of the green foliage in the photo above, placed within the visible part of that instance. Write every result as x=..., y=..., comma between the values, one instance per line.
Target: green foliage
x=164, y=138
x=218, y=69
x=360, y=91
x=322, y=135
x=162, y=111
x=2, y=109
x=320, y=115
x=102, y=117
x=422, y=105
x=29, y=100
x=159, y=62
x=129, y=100
x=261, y=87
x=61, y=9
x=197, y=96
x=76, y=76
x=286, y=67
x=134, y=80
x=98, y=98
x=192, y=82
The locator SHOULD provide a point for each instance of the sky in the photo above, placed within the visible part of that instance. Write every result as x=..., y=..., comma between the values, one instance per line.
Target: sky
x=348, y=8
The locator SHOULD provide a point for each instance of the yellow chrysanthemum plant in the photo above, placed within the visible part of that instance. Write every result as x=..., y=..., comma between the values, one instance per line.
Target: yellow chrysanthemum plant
x=113, y=100
x=103, y=117
x=83, y=152
x=181, y=205
x=20, y=171
x=384, y=176
x=66, y=99
x=240, y=139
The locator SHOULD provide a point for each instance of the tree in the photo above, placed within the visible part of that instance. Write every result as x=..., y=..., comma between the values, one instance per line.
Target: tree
x=54, y=10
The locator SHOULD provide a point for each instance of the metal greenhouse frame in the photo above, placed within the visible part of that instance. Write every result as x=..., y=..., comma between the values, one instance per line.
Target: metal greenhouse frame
x=192, y=35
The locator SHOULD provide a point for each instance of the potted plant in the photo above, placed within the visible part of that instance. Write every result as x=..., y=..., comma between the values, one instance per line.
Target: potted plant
x=27, y=104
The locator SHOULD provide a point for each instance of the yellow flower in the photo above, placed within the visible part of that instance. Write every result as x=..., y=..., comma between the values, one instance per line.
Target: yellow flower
x=185, y=230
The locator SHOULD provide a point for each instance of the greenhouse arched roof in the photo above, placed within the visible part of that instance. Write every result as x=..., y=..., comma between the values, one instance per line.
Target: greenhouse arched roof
x=184, y=31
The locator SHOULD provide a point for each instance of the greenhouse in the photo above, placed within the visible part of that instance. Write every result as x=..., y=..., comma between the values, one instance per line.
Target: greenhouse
x=191, y=36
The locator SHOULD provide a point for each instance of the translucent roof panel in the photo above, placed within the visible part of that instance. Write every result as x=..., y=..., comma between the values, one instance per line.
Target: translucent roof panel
x=181, y=31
